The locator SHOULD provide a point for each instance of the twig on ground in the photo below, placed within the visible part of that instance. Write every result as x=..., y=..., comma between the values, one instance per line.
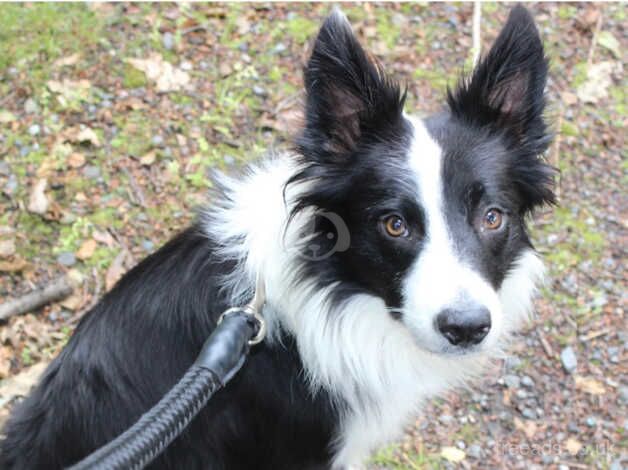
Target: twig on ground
x=477, y=20
x=546, y=346
x=596, y=33
x=555, y=154
x=137, y=194
x=57, y=290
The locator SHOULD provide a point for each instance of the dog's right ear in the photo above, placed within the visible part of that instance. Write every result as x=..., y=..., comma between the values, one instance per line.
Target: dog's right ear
x=347, y=94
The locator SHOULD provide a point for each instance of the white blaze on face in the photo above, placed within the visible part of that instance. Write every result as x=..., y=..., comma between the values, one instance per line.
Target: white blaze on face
x=439, y=279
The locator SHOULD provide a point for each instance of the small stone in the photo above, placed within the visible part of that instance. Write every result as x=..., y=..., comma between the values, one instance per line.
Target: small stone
x=446, y=419
x=572, y=427
x=563, y=467
x=623, y=394
x=527, y=381
x=521, y=394
x=91, y=171
x=168, y=40
x=461, y=445
x=34, y=129
x=229, y=160
x=259, y=91
x=279, y=48
x=617, y=465
x=512, y=381
x=528, y=413
x=569, y=359
x=5, y=170
x=591, y=422
x=512, y=362
x=11, y=186
x=30, y=106
x=66, y=258
x=157, y=140
x=475, y=451
x=148, y=245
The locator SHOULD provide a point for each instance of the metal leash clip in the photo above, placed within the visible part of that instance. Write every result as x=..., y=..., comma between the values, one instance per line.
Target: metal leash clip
x=253, y=308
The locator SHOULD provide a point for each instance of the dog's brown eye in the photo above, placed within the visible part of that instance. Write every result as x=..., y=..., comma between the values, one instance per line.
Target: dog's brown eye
x=493, y=219
x=395, y=226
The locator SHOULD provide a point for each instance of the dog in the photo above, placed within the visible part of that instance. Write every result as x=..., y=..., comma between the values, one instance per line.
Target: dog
x=395, y=259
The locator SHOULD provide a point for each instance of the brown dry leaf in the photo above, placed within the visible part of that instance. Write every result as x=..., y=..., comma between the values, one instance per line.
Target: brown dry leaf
x=148, y=159
x=6, y=354
x=13, y=266
x=7, y=248
x=452, y=454
x=104, y=237
x=573, y=446
x=599, y=79
x=38, y=202
x=67, y=61
x=20, y=384
x=87, y=249
x=115, y=271
x=76, y=160
x=569, y=98
x=589, y=385
x=166, y=76
x=69, y=90
x=73, y=302
x=528, y=427
x=88, y=135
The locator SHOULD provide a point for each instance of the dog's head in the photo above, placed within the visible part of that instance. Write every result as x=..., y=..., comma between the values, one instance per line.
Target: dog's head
x=427, y=214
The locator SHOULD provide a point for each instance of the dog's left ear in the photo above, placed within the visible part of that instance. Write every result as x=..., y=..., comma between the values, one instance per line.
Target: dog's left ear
x=347, y=94
x=505, y=91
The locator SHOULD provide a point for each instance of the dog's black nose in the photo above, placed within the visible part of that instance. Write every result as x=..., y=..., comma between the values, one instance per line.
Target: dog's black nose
x=464, y=327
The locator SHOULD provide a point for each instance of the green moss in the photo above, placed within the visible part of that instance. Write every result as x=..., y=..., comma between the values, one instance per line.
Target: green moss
x=566, y=12
x=135, y=135
x=386, y=29
x=133, y=78
x=569, y=129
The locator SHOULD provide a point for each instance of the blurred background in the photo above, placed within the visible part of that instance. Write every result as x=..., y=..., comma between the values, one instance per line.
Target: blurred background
x=112, y=115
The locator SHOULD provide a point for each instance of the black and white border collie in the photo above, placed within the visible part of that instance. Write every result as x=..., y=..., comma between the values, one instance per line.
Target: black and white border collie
x=396, y=263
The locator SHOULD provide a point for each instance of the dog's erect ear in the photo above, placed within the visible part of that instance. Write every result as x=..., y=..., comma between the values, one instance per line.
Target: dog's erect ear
x=506, y=88
x=347, y=93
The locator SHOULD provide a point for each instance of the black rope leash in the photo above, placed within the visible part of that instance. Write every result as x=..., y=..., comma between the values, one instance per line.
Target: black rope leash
x=221, y=357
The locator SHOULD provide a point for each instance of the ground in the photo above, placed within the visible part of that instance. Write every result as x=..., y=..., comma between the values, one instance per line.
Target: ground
x=112, y=115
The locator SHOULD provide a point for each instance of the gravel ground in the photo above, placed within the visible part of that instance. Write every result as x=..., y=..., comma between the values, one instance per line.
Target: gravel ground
x=111, y=116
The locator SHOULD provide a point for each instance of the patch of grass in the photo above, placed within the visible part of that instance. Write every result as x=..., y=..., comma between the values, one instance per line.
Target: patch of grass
x=435, y=78
x=566, y=12
x=301, y=29
x=569, y=129
x=135, y=135
x=33, y=35
x=386, y=29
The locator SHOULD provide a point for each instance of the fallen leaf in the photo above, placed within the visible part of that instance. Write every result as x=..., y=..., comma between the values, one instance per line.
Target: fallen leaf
x=6, y=117
x=452, y=454
x=76, y=160
x=87, y=249
x=73, y=302
x=115, y=271
x=166, y=76
x=598, y=81
x=67, y=61
x=87, y=134
x=69, y=91
x=7, y=248
x=589, y=385
x=528, y=427
x=38, y=202
x=610, y=42
x=573, y=446
x=6, y=354
x=19, y=385
x=148, y=159
x=13, y=266
x=104, y=237
x=569, y=98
